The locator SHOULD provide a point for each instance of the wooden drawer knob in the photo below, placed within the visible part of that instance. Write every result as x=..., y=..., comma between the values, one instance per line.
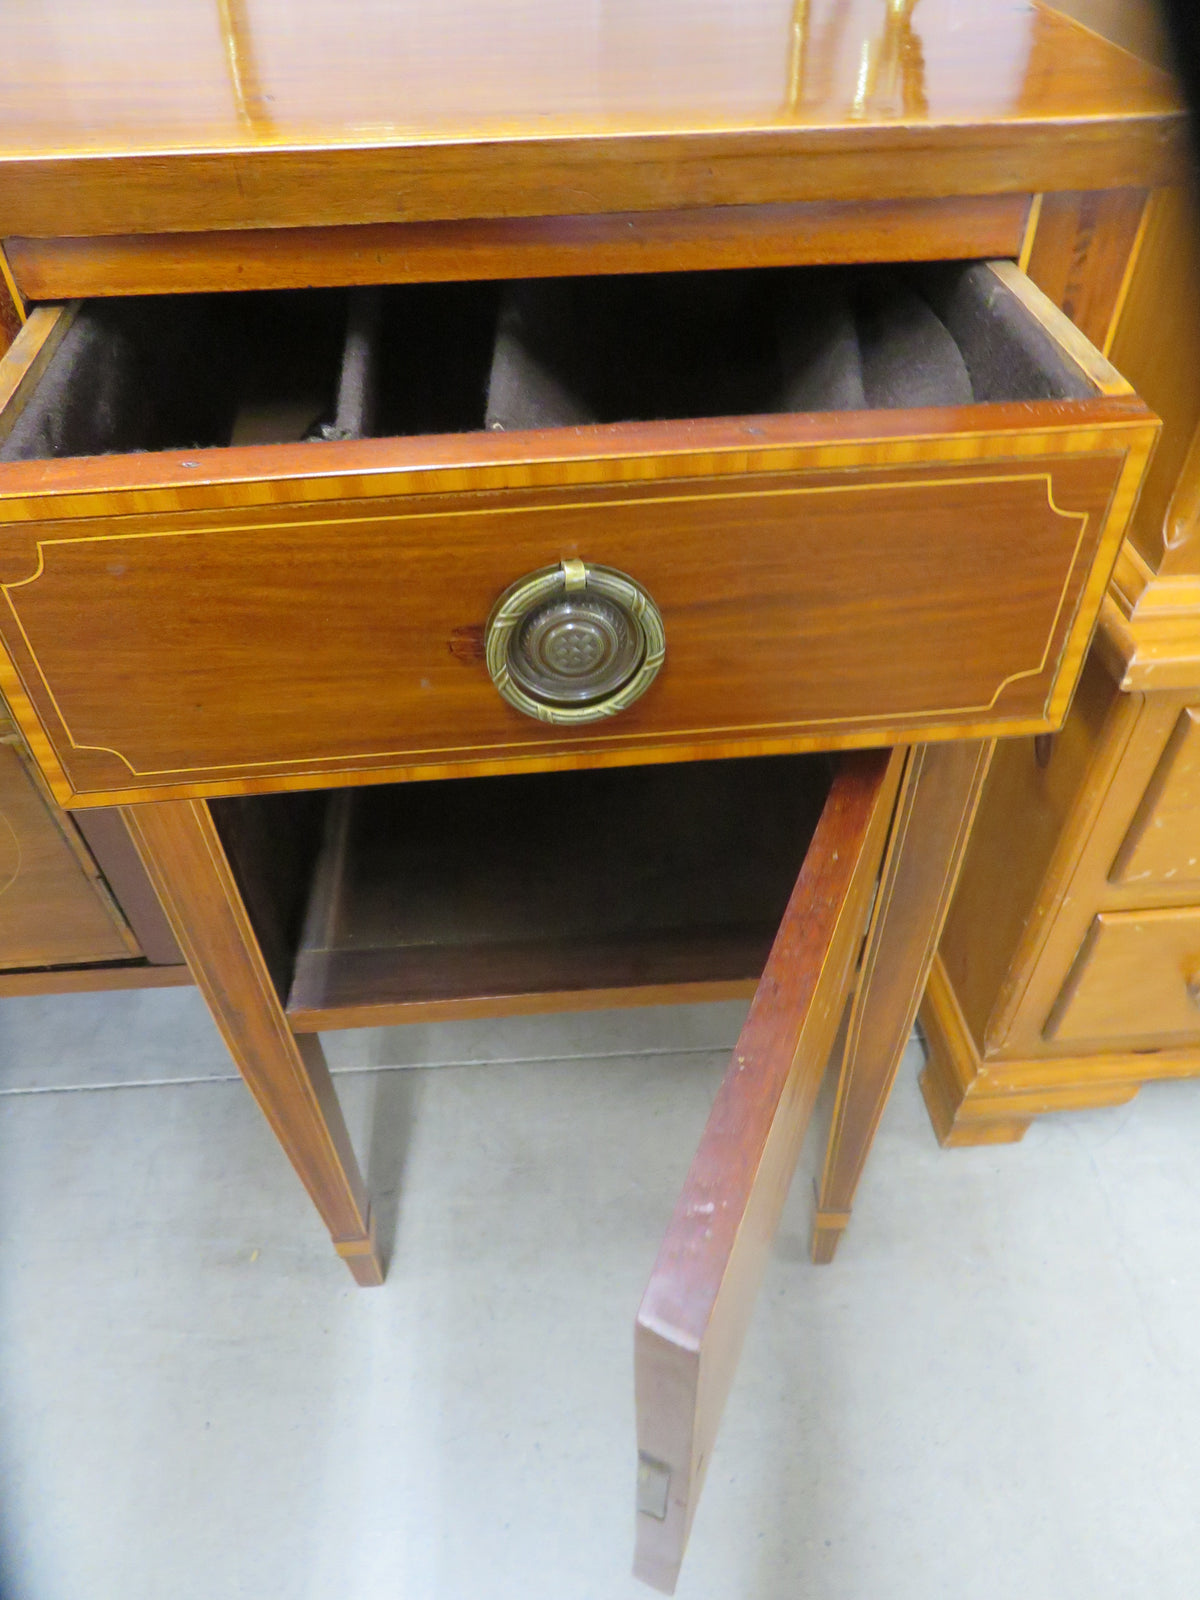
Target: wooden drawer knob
x=574, y=643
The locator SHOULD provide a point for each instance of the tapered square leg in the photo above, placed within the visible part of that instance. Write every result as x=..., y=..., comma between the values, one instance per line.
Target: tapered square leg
x=938, y=799
x=287, y=1074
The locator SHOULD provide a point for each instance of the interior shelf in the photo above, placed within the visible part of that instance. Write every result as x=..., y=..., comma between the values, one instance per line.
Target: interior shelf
x=550, y=892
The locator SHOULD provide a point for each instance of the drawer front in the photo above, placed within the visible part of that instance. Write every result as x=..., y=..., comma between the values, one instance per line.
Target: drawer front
x=1135, y=983
x=1162, y=847
x=51, y=912
x=811, y=605
x=280, y=615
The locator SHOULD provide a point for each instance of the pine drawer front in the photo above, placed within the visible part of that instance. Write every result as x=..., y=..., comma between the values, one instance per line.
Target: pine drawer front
x=54, y=911
x=1162, y=848
x=1135, y=983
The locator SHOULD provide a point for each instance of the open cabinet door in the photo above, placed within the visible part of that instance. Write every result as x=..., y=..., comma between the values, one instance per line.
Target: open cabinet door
x=697, y=1306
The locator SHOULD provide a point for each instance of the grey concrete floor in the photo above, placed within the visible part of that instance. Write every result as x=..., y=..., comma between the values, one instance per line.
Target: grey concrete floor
x=992, y=1393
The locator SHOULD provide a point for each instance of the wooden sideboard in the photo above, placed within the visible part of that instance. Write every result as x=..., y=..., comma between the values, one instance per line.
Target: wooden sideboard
x=1065, y=977
x=275, y=652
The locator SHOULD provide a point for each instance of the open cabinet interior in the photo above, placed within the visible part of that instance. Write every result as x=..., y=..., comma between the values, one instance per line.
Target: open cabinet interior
x=557, y=890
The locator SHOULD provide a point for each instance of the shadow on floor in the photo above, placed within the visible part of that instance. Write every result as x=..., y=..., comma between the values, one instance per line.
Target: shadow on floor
x=393, y=1113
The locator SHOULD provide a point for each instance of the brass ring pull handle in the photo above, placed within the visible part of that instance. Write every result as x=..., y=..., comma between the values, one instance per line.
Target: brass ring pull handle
x=574, y=643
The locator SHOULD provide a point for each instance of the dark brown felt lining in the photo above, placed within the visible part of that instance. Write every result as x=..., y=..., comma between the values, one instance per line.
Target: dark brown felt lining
x=170, y=373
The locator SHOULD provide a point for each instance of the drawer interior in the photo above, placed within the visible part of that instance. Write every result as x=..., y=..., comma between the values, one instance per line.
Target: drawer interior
x=191, y=371
x=622, y=885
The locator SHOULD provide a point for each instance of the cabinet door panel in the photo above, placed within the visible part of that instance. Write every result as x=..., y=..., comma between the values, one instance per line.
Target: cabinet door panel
x=51, y=912
x=697, y=1306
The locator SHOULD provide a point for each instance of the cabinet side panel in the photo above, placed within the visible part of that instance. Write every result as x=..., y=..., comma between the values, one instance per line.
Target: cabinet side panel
x=108, y=839
x=1156, y=344
x=1004, y=892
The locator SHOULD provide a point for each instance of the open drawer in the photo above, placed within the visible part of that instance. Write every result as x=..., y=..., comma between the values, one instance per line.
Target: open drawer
x=843, y=507
x=631, y=885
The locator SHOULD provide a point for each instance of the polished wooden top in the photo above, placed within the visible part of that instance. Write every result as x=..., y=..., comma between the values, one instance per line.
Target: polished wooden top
x=137, y=115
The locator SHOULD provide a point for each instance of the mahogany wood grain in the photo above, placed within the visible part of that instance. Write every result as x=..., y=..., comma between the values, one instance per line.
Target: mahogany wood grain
x=183, y=853
x=10, y=325
x=72, y=836
x=51, y=912
x=1083, y=251
x=108, y=840
x=699, y=1300
x=380, y=988
x=88, y=980
x=27, y=358
x=311, y=1017
x=132, y=120
x=814, y=582
x=12, y=307
x=938, y=799
x=272, y=843
x=697, y=240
